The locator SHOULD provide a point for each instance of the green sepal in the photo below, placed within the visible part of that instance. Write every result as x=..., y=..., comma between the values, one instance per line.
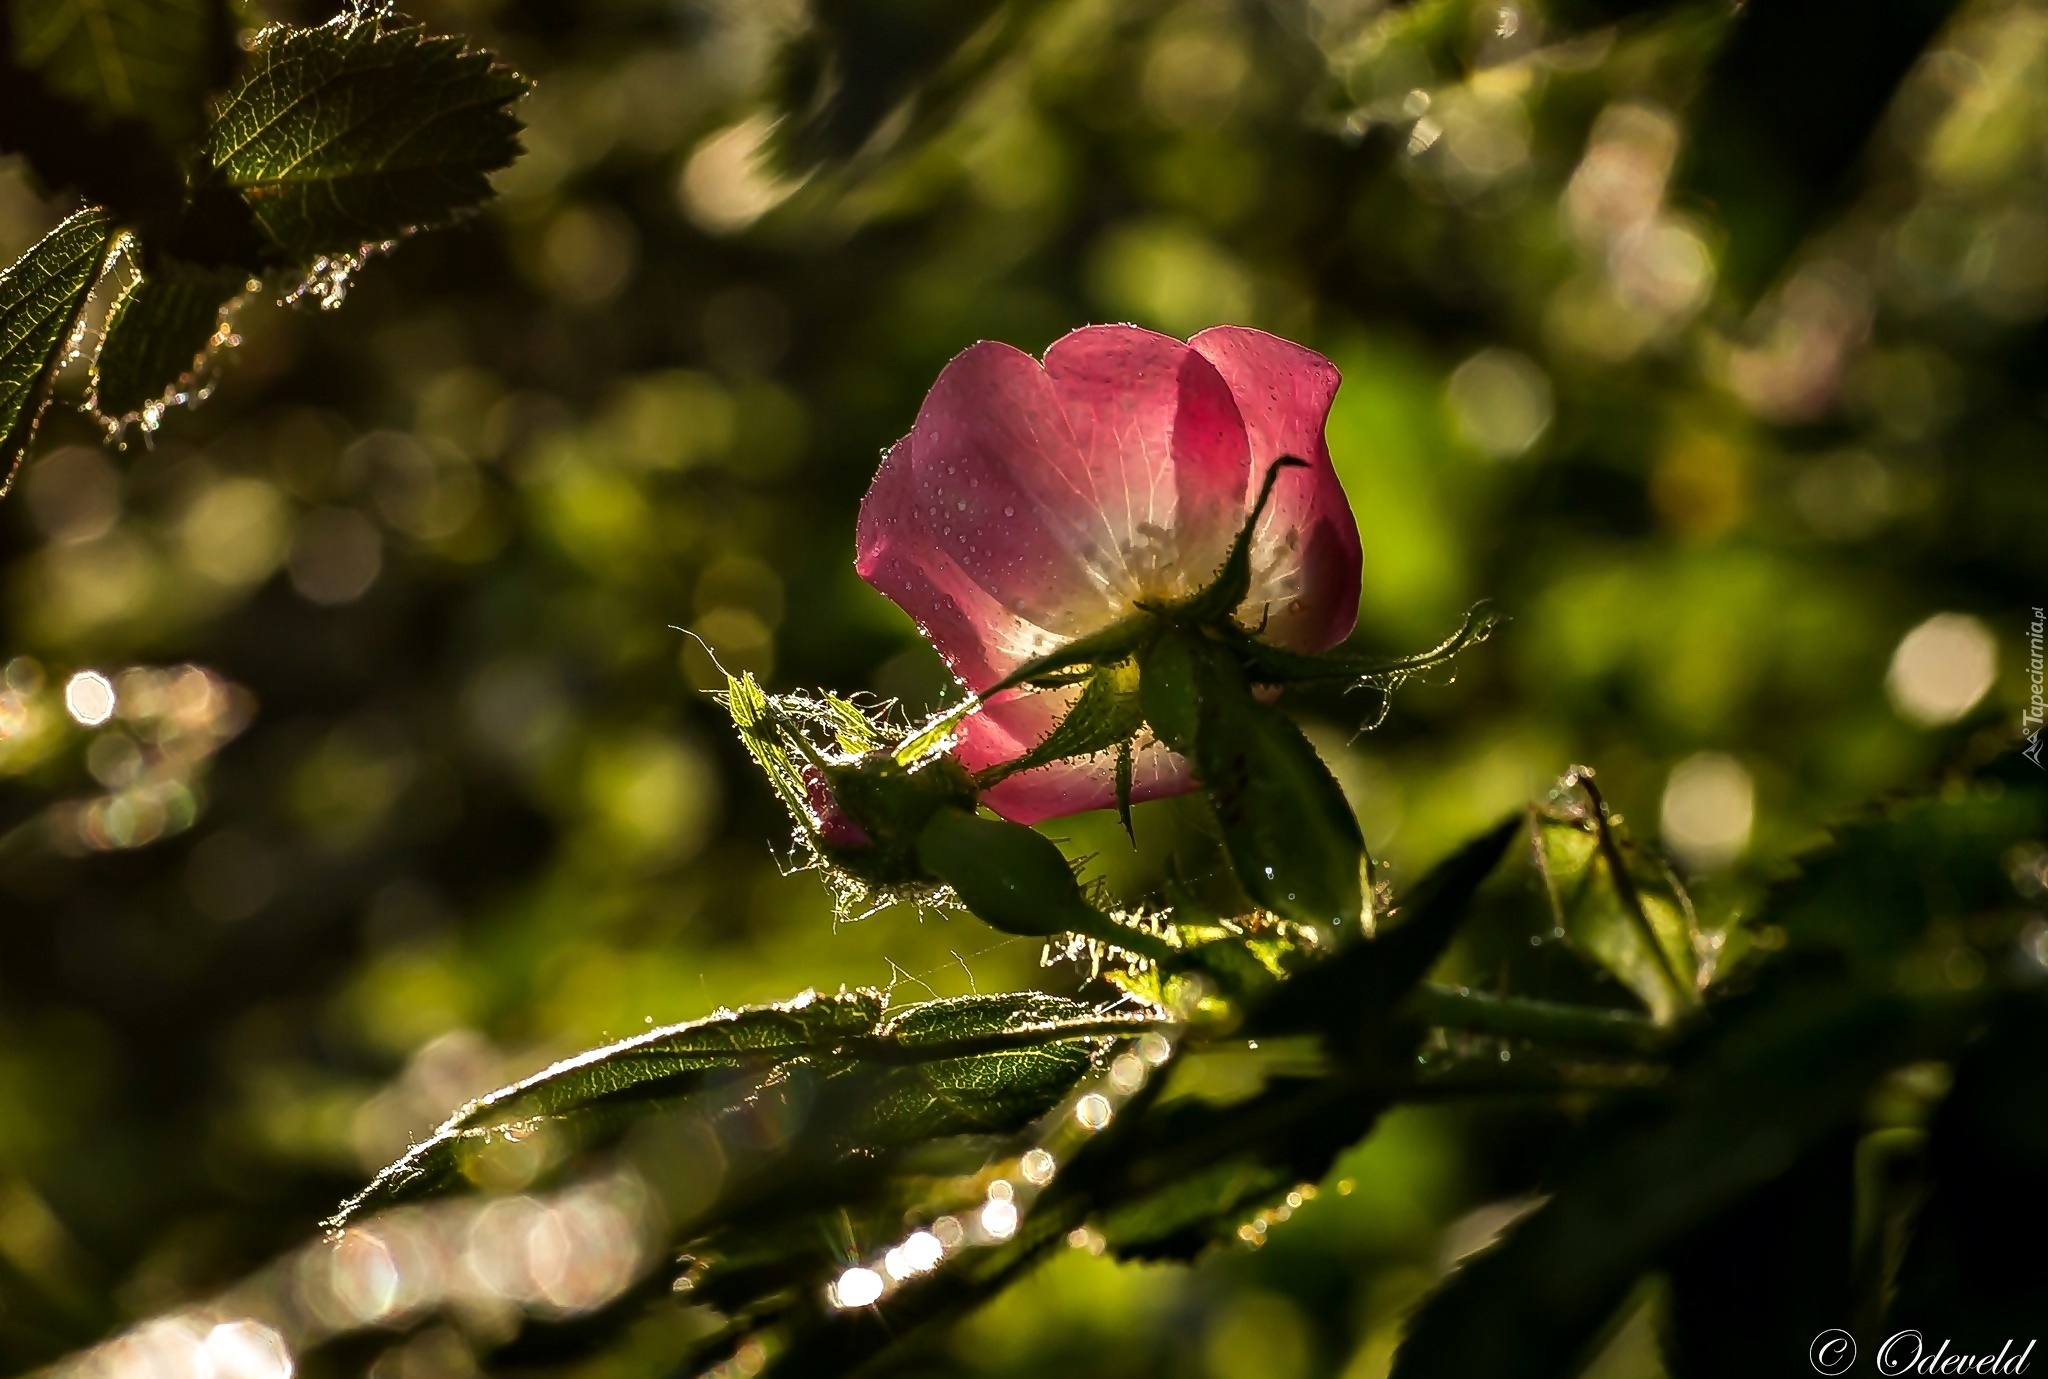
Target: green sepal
x=1166, y=689
x=1291, y=836
x=1115, y=642
x=1016, y=880
x=1105, y=714
x=1268, y=664
x=1233, y=582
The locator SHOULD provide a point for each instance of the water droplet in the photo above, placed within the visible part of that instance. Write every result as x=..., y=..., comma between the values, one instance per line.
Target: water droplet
x=920, y=1252
x=1093, y=1111
x=857, y=1287
x=999, y=1220
x=1037, y=1166
x=1009, y=510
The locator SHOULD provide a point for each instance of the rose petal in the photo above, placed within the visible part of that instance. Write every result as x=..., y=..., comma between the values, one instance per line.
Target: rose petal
x=1156, y=480
x=1306, y=554
x=979, y=639
x=963, y=489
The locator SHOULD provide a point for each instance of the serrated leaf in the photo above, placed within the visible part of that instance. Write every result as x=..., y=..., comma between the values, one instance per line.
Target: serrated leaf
x=1636, y=923
x=146, y=59
x=1291, y=835
x=351, y=133
x=1890, y=879
x=159, y=338
x=41, y=297
x=1781, y=1072
x=965, y=1064
x=653, y=1069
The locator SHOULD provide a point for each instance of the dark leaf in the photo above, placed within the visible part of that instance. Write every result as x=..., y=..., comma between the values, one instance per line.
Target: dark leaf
x=1779, y=1073
x=1292, y=838
x=1769, y=1275
x=864, y=61
x=1353, y=990
x=151, y=60
x=352, y=133
x=1973, y=1269
x=160, y=338
x=1891, y=881
x=1777, y=134
x=41, y=297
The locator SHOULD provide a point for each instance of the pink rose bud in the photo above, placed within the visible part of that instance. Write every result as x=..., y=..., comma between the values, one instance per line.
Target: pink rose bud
x=1033, y=504
x=834, y=827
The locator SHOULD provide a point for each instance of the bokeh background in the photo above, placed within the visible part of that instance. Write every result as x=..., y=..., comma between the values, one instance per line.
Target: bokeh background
x=1709, y=346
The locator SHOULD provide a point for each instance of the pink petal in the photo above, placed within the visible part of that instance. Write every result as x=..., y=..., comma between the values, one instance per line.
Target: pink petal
x=1011, y=726
x=980, y=639
x=1155, y=486
x=955, y=499
x=1306, y=555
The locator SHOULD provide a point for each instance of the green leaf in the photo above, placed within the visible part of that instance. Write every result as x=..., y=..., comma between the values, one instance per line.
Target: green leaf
x=1292, y=838
x=1352, y=991
x=647, y=1072
x=966, y=1064
x=1911, y=875
x=352, y=133
x=1619, y=907
x=147, y=59
x=41, y=298
x=160, y=339
x=1780, y=1073
x=1268, y=664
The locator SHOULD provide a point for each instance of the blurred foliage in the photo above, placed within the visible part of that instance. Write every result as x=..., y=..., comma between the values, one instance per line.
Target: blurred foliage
x=412, y=787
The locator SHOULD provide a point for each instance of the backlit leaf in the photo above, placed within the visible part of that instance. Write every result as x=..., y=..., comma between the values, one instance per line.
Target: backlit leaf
x=961, y=1065
x=41, y=297
x=160, y=338
x=353, y=133
x=1637, y=922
